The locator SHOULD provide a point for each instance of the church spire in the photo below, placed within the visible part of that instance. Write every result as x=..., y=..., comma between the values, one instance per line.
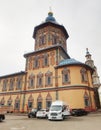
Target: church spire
x=88, y=55
x=89, y=60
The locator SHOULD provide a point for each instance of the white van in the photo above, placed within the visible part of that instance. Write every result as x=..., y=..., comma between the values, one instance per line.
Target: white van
x=58, y=111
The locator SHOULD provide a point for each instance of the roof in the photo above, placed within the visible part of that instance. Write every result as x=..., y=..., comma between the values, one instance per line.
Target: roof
x=69, y=62
x=72, y=61
x=50, y=20
x=14, y=74
x=45, y=49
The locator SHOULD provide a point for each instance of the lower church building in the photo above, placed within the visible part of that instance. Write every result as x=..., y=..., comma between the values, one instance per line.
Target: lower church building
x=51, y=74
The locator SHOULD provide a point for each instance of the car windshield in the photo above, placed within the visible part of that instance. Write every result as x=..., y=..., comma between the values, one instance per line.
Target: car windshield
x=42, y=110
x=56, y=108
x=33, y=110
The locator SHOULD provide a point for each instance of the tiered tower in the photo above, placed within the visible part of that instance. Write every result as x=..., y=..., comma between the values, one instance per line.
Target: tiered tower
x=95, y=77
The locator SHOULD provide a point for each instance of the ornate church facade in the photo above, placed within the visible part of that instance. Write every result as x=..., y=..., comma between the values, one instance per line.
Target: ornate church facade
x=51, y=74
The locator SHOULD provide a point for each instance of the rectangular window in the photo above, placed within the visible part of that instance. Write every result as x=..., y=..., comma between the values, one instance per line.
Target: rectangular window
x=31, y=83
x=48, y=104
x=86, y=100
x=39, y=105
x=45, y=61
x=19, y=84
x=17, y=105
x=39, y=81
x=9, y=103
x=4, y=85
x=11, y=85
x=36, y=62
x=49, y=80
x=65, y=78
x=83, y=75
x=30, y=104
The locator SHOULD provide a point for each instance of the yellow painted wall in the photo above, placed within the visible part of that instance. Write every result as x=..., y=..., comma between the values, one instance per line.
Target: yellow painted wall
x=73, y=97
x=75, y=76
x=35, y=97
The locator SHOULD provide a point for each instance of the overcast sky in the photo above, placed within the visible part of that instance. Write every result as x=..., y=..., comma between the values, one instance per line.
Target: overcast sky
x=81, y=18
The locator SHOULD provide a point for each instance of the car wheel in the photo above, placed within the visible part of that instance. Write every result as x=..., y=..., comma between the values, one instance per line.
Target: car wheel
x=30, y=116
x=1, y=119
x=63, y=117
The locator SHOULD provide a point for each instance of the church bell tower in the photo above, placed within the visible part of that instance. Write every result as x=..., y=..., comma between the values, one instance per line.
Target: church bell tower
x=95, y=77
x=50, y=33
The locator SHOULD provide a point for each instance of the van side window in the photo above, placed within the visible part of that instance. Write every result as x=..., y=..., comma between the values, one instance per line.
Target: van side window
x=64, y=108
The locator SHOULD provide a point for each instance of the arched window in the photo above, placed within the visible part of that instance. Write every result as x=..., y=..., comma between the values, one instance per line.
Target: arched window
x=42, y=40
x=86, y=100
x=31, y=81
x=2, y=102
x=5, y=85
x=30, y=102
x=83, y=75
x=39, y=102
x=48, y=101
x=54, y=39
x=40, y=80
x=48, y=79
x=17, y=104
x=11, y=87
x=46, y=60
x=65, y=76
x=19, y=84
x=36, y=62
x=9, y=102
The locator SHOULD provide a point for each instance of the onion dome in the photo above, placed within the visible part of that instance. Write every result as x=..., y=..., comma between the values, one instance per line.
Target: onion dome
x=50, y=18
x=87, y=52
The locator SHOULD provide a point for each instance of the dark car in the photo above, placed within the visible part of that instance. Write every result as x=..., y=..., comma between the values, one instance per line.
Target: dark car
x=2, y=117
x=32, y=113
x=78, y=112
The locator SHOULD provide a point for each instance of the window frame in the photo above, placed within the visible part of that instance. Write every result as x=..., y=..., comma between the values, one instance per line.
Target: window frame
x=65, y=72
x=84, y=77
x=48, y=76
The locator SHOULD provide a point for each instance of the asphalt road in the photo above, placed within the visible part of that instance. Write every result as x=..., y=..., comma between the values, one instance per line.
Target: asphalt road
x=89, y=122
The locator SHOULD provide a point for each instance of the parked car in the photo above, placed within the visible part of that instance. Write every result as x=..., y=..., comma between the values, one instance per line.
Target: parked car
x=2, y=114
x=2, y=117
x=78, y=112
x=42, y=113
x=32, y=113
